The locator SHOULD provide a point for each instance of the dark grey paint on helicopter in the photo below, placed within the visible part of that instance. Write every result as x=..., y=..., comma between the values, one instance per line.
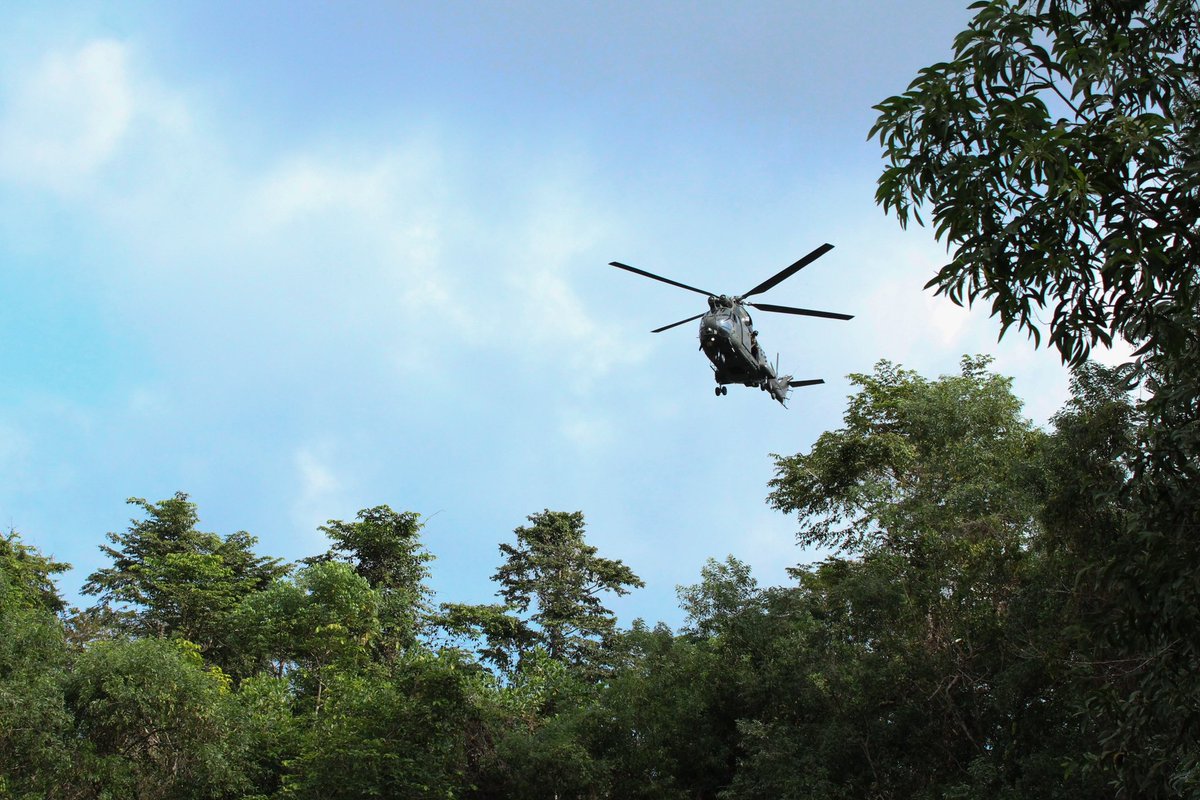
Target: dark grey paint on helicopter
x=727, y=334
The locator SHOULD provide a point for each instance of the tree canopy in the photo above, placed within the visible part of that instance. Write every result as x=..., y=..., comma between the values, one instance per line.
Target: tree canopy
x=169, y=579
x=553, y=571
x=999, y=610
x=949, y=611
x=1056, y=154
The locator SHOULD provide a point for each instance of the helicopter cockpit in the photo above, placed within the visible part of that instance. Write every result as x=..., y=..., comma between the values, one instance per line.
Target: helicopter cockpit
x=724, y=322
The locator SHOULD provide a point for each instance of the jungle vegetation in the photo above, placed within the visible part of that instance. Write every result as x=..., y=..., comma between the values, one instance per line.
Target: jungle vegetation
x=948, y=646
x=1002, y=611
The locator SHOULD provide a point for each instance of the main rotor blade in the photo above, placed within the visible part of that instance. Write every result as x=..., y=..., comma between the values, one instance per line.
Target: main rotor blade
x=794, y=384
x=643, y=272
x=673, y=324
x=806, y=312
x=790, y=271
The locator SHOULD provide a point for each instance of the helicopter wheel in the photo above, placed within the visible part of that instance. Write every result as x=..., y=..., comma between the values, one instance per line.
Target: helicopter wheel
x=720, y=390
x=717, y=391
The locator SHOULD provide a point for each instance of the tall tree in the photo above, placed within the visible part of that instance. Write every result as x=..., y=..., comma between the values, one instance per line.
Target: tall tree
x=384, y=548
x=916, y=458
x=1057, y=152
x=942, y=618
x=35, y=741
x=554, y=573
x=169, y=579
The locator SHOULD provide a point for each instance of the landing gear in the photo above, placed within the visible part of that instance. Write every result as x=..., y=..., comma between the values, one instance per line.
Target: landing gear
x=720, y=390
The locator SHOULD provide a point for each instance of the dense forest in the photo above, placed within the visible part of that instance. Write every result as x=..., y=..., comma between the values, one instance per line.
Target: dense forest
x=949, y=648
x=1004, y=610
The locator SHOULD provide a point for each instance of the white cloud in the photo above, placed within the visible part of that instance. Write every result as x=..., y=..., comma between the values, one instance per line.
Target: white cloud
x=318, y=486
x=305, y=188
x=560, y=233
x=948, y=321
x=67, y=118
x=348, y=252
x=304, y=263
x=907, y=324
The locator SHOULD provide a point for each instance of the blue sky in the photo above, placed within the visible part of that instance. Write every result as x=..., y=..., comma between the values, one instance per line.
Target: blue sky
x=298, y=259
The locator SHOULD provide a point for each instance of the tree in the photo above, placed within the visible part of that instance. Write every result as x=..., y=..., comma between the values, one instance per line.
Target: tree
x=26, y=576
x=153, y=722
x=169, y=579
x=500, y=636
x=531, y=740
x=942, y=618
x=384, y=547
x=1057, y=152
x=399, y=733
x=916, y=459
x=34, y=726
x=323, y=620
x=267, y=733
x=552, y=570
x=665, y=723
x=726, y=590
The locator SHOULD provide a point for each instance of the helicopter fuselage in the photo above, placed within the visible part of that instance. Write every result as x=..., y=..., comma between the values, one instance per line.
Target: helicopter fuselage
x=728, y=339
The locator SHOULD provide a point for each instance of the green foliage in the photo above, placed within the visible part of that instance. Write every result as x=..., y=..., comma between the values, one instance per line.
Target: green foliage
x=168, y=579
x=395, y=733
x=153, y=720
x=969, y=636
x=26, y=576
x=552, y=570
x=665, y=725
x=548, y=762
x=322, y=620
x=34, y=747
x=535, y=748
x=266, y=733
x=1128, y=523
x=951, y=628
x=916, y=459
x=500, y=637
x=1057, y=154
x=384, y=547
x=726, y=589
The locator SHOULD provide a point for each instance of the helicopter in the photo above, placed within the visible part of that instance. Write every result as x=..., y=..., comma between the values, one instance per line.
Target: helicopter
x=727, y=334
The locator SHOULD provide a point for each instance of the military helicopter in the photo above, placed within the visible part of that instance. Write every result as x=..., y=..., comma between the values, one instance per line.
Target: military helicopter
x=727, y=334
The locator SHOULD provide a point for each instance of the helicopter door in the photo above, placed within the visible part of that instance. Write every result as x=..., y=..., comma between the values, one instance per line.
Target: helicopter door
x=747, y=329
